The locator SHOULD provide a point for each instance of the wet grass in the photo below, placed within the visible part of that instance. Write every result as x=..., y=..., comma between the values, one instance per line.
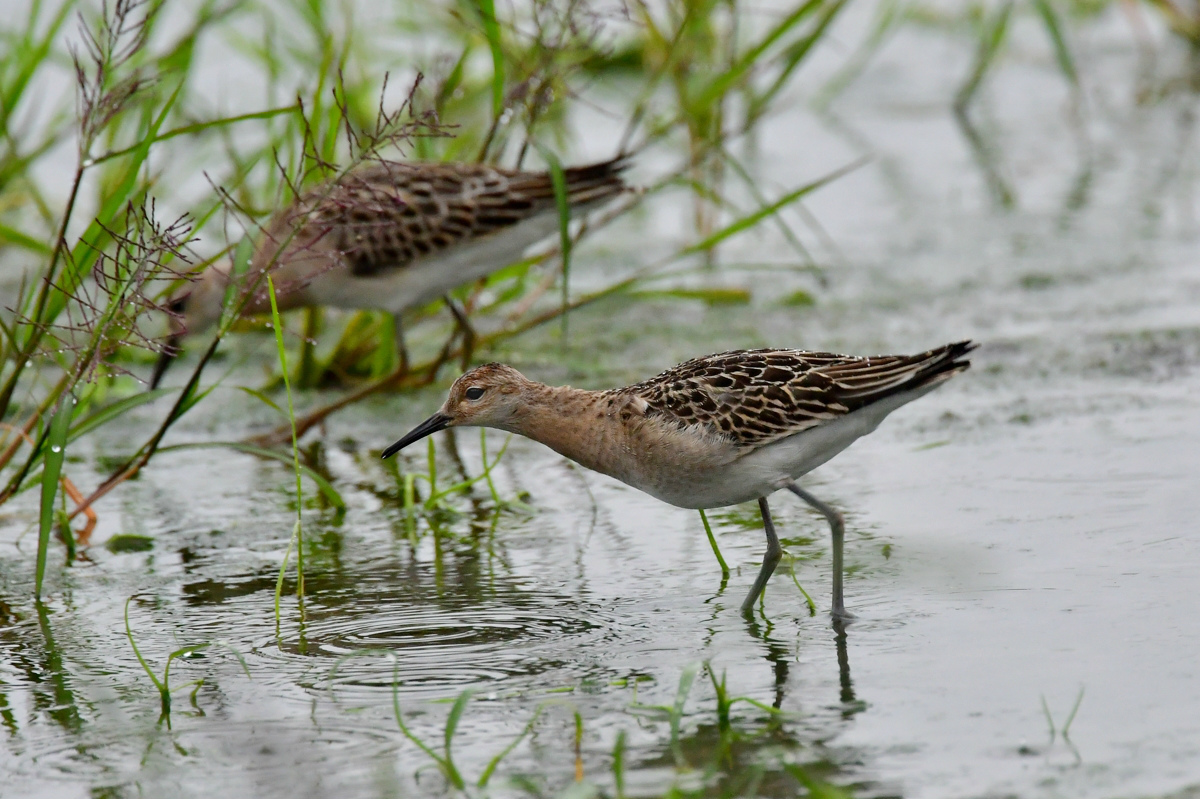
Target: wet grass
x=84, y=317
x=101, y=253
x=163, y=684
x=706, y=757
x=445, y=760
x=297, y=538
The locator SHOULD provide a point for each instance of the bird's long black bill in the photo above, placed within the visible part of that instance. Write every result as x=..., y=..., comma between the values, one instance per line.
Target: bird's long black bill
x=170, y=353
x=439, y=421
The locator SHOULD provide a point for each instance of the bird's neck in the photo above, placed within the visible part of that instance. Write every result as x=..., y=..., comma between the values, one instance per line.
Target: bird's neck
x=570, y=421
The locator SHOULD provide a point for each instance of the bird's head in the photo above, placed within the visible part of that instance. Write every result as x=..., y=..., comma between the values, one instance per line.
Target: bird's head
x=487, y=396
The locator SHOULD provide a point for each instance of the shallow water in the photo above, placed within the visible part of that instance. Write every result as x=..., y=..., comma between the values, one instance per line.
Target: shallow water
x=1016, y=538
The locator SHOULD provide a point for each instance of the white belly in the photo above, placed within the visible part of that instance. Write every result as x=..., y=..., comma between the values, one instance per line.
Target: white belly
x=423, y=281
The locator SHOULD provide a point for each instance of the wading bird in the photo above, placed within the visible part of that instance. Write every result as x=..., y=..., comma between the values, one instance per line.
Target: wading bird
x=392, y=236
x=711, y=432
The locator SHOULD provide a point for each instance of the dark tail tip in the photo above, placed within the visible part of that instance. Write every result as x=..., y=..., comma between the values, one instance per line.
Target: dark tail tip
x=950, y=358
x=957, y=351
x=596, y=182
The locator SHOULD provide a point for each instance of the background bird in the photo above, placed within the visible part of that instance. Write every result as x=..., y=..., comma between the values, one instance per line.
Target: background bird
x=392, y=236
x=711, y=432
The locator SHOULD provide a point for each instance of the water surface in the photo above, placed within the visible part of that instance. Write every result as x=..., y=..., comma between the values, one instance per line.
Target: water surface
x=1023, y=535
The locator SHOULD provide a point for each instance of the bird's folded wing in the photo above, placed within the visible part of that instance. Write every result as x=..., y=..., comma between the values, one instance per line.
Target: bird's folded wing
x=756, y=397
x=388, y=214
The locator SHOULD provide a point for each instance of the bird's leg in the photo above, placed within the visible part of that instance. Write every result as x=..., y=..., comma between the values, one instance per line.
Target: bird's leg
x=837, y=526
x=770, y=559
x=464, y=325
x=401, y=349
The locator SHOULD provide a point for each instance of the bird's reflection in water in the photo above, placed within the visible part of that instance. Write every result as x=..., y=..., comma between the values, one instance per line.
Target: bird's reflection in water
x=779, y=656
x=851, y=705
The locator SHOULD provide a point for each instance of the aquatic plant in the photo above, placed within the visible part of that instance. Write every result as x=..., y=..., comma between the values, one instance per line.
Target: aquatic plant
x=163, y=684
x=435, y=507
x=701, y=768
x=445, y=760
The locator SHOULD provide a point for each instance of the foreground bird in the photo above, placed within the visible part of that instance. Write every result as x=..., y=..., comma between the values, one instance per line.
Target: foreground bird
x=393, y=236
x=713, y=431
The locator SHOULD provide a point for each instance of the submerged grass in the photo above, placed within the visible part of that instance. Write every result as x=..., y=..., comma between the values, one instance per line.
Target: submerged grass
x=701, y=765
x=163, y=684
x=1065, y=731
x=445, y=760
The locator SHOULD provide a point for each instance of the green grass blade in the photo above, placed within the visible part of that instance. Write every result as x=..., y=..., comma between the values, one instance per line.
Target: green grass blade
x=722, y=84
x=178, y=653
x=491, y=28
x=277, y=326
x=499, y=758
x=487, y=467
x=1066, y=728
x=618, y=764
x=431, y=465
x=27, y=57
x=323, y=485
x=10, y=235
x=991, y=39
x=287, y=554
x=685, y=687
x=194, y=397
x=713, y=542
x=752, y=219
x=763, y=706
x=404, y=728
x=1054, y=28
x=450, y=85
x=721, y=690
x=1049, y=718
x=137, y=652
x=115, y=410
x=812, y=606
x=463, y=485
x=99, y=418
x=200, y=127
x=55, y=444
x=242, y=254
x=795, y=55
x=681, y=694
x=263, y=398
x=559, y=180
x=460, y=706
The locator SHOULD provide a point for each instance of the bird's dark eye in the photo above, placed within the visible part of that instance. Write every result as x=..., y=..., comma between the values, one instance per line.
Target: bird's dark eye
x=474, y=393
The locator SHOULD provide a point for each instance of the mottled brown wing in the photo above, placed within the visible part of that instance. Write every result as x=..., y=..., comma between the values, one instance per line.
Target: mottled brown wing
x=754, y=397
x=389, y=214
